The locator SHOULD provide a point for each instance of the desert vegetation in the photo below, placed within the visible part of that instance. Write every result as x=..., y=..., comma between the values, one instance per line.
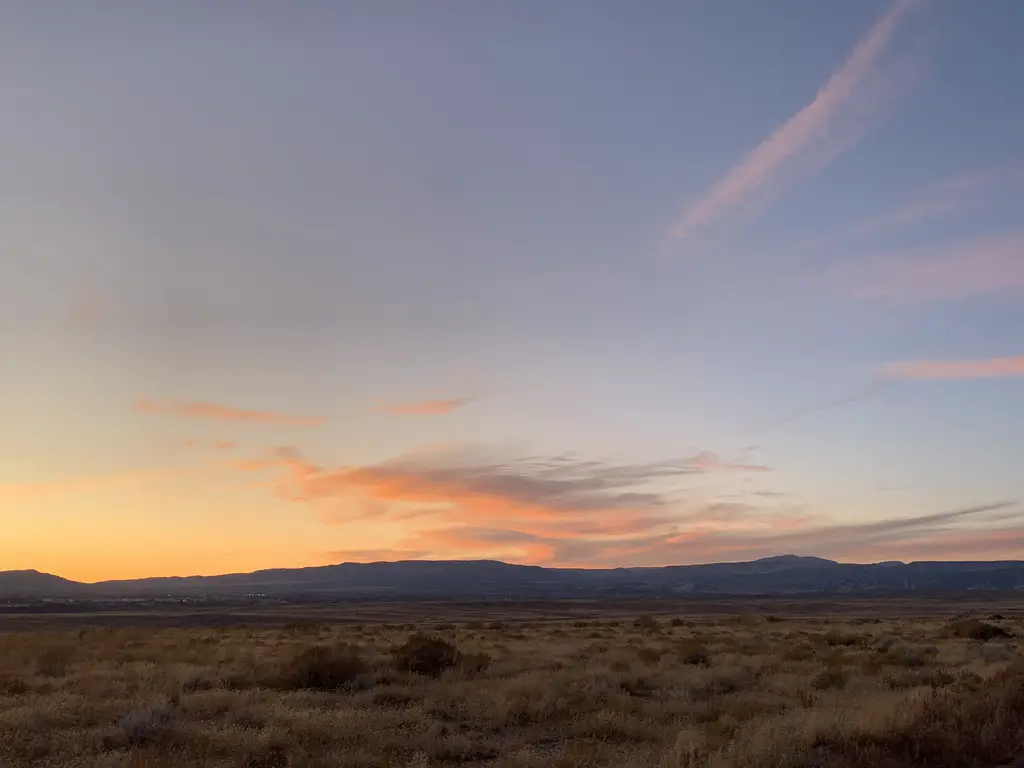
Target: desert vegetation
x=747, y=691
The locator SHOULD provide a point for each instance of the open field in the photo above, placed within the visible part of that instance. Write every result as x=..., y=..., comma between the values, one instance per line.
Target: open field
x=669, y=684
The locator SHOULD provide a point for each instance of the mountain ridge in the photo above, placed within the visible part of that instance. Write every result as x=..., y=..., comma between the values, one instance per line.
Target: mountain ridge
x=493, y=579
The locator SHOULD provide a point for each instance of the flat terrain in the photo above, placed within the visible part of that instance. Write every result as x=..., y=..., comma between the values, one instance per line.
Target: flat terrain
x=929, y=681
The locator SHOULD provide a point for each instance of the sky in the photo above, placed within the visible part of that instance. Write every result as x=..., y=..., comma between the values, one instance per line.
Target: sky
x=587, y=284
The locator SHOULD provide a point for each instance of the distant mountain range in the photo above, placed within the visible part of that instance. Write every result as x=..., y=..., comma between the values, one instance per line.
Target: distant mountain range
x=492, y=580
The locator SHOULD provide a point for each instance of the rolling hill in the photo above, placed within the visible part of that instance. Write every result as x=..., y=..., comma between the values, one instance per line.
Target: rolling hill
x=492, y=580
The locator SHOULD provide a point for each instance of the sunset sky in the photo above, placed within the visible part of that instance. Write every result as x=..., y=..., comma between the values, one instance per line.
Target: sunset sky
x=577, y=283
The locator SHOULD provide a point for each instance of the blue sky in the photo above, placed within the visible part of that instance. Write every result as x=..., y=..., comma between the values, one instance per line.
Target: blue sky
x=465, y=241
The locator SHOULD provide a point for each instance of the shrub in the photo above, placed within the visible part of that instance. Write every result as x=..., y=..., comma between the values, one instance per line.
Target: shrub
x=648, y=655
x=905, y=656
x=834, y=639
x=959, y=726
x=677, y=622
x=802, y=652
x=831, y=678
x=324, y=668
x=141, y=727
x=13, y=686
x=54, y=662
x=302, y=628
x=694, y=653
x=426, y=655
x=937, y=678
x=973, y=629
x=473, y=664
x=647, y=624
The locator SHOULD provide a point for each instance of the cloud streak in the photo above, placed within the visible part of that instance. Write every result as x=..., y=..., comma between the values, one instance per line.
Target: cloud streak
x=477, y=484
x=987, y=368
x=215, y=412
x=873, y=389
x=434, y=407
x=707, y=461
x=562, y=510
x=842, y=102
x=944, y=199
x=961, y=270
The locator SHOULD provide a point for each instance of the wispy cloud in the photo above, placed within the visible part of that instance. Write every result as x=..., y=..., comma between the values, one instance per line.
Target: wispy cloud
x=216, y=412
x=873, y=389
x=841, y=112
x=957, y=531
x=476, y=484
x=987, y=368
x=949, y=197
x=433, y=407
x=1006, y=542
x=489, y=503
x=561, y=510
x=708, y=461
x=962, y=270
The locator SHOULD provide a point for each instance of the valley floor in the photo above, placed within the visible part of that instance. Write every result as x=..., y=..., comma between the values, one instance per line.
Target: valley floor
x=626, y=686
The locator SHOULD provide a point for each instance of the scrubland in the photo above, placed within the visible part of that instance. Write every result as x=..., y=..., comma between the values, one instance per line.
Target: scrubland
x=669, y=692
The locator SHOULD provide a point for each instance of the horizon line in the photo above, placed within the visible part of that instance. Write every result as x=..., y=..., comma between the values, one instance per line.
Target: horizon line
x=500, y=562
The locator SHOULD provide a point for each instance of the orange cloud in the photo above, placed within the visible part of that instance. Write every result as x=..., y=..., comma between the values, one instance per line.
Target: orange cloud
x=847, y=95
x=215, y=412
x=479, y=485
x=990, y=368
x=452, y=503
x=428, y=407
x=553, y=498
x=565, y=511
x=958, y=271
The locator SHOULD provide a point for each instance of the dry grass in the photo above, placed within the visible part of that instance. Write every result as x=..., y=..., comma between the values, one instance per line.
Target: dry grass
x=669, y=692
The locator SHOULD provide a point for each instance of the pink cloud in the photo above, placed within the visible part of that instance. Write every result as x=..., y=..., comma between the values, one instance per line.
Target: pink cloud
x=989, y=368
x=215, y=412
x=956, y=271
x=948, y=197
x=846, y=96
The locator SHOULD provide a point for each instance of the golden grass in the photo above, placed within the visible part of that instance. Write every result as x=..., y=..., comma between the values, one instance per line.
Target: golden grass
x=672, y=692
